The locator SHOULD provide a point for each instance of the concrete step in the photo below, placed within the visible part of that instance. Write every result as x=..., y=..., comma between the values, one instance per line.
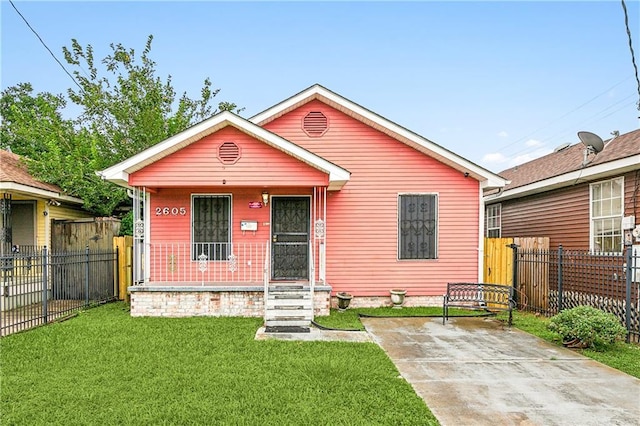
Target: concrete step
x=289, y=302
x=287, y=323
x=289, y=314
x=285, y=296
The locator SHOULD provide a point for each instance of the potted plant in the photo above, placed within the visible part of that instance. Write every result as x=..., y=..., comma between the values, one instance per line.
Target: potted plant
x=343, y=301
x=397, y=297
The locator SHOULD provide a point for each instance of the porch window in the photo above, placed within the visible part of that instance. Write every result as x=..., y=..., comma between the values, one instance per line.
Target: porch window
x=606, y=215
x=417, y=226
x=211, y=226
x=493, y=219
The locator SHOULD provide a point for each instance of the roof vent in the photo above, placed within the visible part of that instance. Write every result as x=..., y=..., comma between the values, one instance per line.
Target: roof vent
x=315, y=124
x=562, y=147
x=228, y=153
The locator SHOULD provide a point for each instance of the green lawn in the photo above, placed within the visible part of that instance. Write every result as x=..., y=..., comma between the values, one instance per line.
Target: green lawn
x=104, y=367
x=622, y=356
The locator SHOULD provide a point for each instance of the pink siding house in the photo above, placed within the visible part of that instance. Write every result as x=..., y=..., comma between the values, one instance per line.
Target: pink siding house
x=273, y=216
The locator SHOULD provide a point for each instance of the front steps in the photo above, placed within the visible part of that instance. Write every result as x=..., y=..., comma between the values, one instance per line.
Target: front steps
x=289, y=308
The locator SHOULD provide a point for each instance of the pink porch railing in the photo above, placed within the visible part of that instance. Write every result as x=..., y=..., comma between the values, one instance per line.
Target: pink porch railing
x=207, y=263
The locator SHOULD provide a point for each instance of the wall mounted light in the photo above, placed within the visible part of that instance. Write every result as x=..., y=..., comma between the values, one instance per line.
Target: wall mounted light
x=53, y=202
x=265, y=197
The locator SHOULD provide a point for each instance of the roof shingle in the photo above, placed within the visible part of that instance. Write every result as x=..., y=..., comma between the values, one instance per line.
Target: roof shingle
x=12, y=169
x=570, y=159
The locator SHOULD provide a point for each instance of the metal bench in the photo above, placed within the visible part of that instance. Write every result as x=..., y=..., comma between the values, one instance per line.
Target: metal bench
x=489, y=297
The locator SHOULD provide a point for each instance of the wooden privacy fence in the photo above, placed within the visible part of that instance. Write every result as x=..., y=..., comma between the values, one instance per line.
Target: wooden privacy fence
x=125, y=264
x=533, y=278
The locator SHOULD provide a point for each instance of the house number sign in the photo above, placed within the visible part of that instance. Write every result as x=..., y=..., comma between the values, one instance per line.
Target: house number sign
x=171, y=211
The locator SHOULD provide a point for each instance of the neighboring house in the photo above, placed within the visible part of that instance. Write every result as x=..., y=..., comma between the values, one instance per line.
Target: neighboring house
x=28, y=206
x=28, y=210
x=314, y=196
x=576, y=197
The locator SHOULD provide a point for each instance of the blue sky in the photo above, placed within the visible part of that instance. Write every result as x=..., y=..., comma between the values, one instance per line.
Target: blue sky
x=496, y=82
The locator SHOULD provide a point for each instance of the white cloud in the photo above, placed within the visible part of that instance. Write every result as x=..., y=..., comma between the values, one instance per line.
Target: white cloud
x=533, y=142
x=503, y=134
x=494, y=158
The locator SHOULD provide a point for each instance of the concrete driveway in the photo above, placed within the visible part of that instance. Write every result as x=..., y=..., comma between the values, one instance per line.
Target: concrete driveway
x=475, y=371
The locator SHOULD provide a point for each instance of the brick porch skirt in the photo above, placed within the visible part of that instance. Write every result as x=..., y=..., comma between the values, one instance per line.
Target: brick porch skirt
x=185, y=301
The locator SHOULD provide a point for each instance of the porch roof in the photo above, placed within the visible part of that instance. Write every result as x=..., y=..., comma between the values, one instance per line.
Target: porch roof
x=486, y=178
x=119, y=173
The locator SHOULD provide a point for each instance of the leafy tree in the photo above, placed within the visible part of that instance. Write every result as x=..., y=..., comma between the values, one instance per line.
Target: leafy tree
x=30, y=122
x=123, y=112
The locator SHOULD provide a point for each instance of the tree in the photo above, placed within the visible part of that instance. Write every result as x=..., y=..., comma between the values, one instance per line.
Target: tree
x=122, y=113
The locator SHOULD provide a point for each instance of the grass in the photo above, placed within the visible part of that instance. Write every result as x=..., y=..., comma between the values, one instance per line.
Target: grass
x=105, y=367
x=622, y=356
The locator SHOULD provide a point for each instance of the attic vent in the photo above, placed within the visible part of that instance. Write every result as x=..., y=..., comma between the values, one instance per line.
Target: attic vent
x=315, y=124
x=562, y=147
x=228, y=153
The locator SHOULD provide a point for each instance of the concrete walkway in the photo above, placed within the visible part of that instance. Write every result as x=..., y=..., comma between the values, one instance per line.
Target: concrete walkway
x=475, y=371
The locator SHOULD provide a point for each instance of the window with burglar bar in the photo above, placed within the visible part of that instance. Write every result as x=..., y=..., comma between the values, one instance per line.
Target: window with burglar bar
x=417, y=226
x=211, y=226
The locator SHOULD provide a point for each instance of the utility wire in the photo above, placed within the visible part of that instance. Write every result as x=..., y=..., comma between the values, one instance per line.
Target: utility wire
x=530, y=134
x=633, y=57
x=44, y=44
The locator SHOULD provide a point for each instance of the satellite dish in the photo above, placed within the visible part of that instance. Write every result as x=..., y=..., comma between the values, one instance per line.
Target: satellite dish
x=591, y=141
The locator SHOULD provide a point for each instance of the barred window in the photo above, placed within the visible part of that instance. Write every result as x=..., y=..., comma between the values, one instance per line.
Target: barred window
x=211, y=226
x=417, y=226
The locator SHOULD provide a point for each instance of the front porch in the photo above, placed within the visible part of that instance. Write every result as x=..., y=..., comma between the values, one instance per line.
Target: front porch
x=228, y=279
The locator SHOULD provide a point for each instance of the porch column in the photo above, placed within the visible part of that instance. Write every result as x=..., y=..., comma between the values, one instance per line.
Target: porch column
x=140, y=231
x=319, y=229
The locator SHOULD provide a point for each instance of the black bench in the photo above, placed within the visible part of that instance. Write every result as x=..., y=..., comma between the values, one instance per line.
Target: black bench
x=487, y=297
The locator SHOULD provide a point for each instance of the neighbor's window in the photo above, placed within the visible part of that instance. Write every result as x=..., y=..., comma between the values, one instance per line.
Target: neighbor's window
x=493, y=220
x=417, y=226
x=211, y=226
x=606, y=215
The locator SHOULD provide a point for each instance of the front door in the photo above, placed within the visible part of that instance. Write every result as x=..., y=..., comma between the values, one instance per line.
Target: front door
x=290, y=218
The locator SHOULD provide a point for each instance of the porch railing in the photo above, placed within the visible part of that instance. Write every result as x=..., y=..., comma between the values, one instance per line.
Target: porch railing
x=207, y=263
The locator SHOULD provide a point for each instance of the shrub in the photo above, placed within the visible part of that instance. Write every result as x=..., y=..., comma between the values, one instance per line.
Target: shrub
x=591, y=326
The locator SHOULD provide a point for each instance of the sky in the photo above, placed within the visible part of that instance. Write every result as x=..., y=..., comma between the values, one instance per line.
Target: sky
x=498, y=83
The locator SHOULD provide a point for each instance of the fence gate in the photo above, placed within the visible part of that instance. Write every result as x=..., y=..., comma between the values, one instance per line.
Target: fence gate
x=533, y=277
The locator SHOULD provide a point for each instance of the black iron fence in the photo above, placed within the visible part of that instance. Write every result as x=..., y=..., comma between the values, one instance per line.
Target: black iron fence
x=38, y=286
x=548, y=281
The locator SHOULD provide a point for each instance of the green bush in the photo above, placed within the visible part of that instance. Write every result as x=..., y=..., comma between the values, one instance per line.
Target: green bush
x=126, y=224
x=591, y=326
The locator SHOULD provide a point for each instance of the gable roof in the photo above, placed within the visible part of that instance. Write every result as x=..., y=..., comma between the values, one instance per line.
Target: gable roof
x=487, y=178
x=15, y=177
x=119, y=173
x=564, y=167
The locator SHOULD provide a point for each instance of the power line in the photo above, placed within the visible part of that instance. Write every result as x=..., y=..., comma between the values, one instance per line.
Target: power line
x=44, y=44
x=633, y=57
x=530, y=134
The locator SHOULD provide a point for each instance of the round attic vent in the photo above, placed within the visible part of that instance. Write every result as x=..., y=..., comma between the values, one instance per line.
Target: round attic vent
x=315, y=124
x=228, y=153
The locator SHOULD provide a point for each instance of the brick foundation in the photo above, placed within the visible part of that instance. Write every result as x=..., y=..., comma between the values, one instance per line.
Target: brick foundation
x=162, y=301
x=385, y=301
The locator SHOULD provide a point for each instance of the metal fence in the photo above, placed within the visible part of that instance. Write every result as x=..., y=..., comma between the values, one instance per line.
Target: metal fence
x=549, y=281
x=38, y=286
